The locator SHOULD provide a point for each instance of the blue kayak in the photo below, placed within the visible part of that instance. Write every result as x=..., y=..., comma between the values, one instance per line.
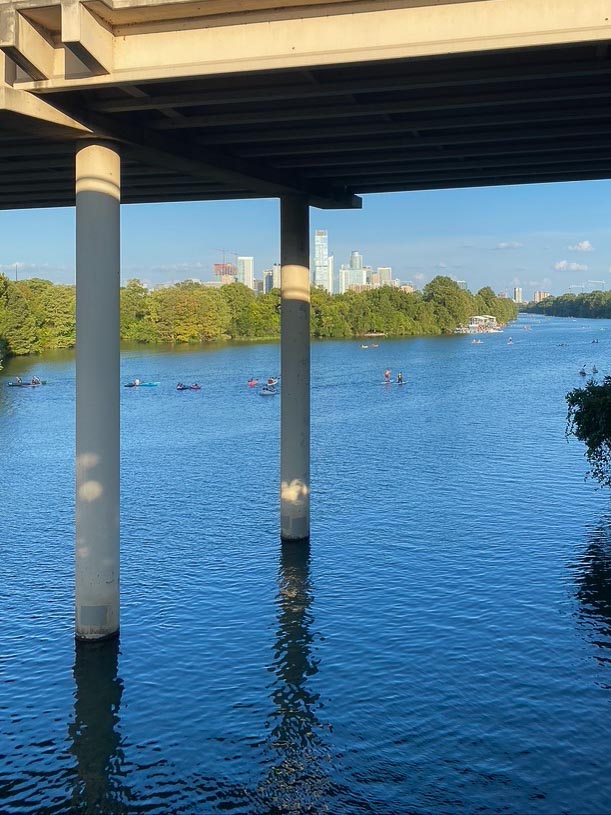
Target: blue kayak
x=141, y=385
x=27, y=384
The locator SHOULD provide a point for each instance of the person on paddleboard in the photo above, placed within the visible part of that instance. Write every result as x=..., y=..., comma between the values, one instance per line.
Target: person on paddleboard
x=399, y=378
x=387, y=375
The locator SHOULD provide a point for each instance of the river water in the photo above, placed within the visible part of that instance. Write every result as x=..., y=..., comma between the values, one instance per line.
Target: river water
x=442, y=646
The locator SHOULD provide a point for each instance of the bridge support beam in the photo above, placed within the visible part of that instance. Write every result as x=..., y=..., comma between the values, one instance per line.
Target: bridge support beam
x=97, y=390
x=295, y=369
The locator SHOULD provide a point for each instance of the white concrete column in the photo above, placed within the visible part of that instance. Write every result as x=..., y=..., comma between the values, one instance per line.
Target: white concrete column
x=98, y=170
x=295, y=369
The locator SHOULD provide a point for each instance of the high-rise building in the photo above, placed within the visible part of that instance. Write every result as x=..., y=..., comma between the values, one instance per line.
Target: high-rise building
x=224, y=270
x=384, y=275
x=356, y=260
x=351, y=279
x=517, y=294
x=246, y=271
x=323, y=274
x=276, y=276
x=272, y=278
x=462, y=284
x=540, y=295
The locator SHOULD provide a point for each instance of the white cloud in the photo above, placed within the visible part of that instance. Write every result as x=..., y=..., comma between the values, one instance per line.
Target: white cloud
x=418, y=278
x=582, y=246
x=565, y=266
x=441, y=265
x=508, y=245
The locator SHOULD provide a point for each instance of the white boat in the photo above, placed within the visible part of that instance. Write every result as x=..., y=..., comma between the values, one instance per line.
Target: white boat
x=268, y=390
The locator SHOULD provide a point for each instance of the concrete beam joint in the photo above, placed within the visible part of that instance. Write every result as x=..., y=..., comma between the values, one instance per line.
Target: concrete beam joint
x=86, y=38
x=24, y=44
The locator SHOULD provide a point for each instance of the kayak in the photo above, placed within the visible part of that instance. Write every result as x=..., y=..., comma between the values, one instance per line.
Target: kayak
x=268, y=390
x=26, y=384
x=194, y=387
x=141, y=385
x=252, y=383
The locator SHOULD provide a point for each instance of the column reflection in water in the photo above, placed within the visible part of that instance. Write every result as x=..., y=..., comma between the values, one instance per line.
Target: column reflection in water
x=94, y=733
x=297, y=777
x=593, y=579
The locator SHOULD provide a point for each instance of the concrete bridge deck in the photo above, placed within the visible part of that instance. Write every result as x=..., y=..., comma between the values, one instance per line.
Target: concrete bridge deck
x=225, y=99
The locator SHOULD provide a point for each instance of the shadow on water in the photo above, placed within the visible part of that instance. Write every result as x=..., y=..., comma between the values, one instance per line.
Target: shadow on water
x=593, y=580
x=297, y=771
x=94, y=733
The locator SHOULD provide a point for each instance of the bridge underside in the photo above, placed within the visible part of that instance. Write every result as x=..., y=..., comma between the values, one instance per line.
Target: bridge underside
x=247, y=121
x=104, y=102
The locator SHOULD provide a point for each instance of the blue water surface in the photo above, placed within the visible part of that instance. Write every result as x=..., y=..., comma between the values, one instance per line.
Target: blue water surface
x=443, y=645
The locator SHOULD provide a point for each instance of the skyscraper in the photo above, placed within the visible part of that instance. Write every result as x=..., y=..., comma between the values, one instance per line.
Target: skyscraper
x=276, y=276
x=384, y=275
x=517, y=294
x=322, y=275
x=356, y=260
x=246, y=271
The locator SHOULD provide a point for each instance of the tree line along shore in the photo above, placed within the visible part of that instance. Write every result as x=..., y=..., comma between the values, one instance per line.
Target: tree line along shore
x=594, y=304
x=37, y=315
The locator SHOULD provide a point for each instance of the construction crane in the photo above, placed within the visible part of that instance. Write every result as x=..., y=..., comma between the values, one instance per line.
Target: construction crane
x=601, y=283
x=577, y=286
x=224, y=268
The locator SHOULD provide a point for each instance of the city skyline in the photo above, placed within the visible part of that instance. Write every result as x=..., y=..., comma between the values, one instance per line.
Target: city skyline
x=552, y=238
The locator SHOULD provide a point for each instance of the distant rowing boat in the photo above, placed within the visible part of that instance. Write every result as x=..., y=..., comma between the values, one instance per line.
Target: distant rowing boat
x=27, y=384
x=140, y=384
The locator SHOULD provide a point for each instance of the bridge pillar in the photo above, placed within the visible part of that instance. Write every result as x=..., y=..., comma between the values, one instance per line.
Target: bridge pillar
x=98, y=170
x=295, y=369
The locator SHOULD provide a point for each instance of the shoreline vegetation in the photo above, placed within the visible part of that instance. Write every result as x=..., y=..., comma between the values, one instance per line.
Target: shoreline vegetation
x=37, y=315
x=593, y=305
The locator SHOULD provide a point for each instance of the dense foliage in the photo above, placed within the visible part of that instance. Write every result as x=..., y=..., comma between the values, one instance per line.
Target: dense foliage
x=595, y=304
x=36, y=315
x=589, y=420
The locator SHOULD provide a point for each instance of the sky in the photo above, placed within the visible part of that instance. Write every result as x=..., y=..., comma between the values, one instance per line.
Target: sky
x=539, y=237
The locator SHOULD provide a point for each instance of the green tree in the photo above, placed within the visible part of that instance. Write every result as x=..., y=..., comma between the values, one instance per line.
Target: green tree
x=265, y=315
x=239, y=298
x=589, y=420
x=451, y=304
x=134, y=315
x=56, y=316
x=17, y=323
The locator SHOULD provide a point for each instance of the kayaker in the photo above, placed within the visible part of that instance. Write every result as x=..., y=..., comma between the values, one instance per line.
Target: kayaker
x=18, y=380
x=35, y=380
x=136, y=382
